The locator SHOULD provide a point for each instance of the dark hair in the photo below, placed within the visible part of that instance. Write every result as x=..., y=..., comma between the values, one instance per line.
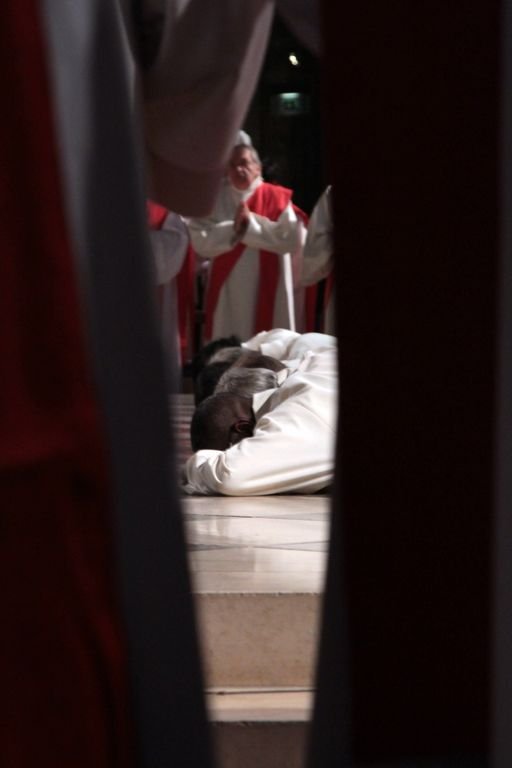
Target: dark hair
x=205, y=353
x=207, y=379
x=213, y=419
x=252, y=359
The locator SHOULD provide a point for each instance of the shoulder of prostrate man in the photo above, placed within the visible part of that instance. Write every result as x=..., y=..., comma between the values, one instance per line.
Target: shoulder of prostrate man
x=315, y=370
x=284, y=344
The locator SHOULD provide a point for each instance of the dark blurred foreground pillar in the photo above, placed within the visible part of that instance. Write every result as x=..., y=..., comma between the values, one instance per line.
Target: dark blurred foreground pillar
x=99, y=661
x=416, y=95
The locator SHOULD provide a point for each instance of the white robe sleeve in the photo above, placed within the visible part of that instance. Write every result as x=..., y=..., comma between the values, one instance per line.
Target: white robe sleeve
x=318, y=248
x=281, y=457
x=281, y=236
x=211, y=238
x=289, y=345
x=275, y=343
x=169, y=245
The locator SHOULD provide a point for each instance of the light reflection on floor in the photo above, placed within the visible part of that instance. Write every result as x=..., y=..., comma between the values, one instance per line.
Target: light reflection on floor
x=268, y=544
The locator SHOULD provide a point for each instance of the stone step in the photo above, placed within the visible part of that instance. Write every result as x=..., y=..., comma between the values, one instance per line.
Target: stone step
x=259, y=728
x=258, y=639
x=257, y=569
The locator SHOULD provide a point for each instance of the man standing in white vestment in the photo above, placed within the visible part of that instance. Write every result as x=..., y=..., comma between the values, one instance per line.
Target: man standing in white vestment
x=251, y=237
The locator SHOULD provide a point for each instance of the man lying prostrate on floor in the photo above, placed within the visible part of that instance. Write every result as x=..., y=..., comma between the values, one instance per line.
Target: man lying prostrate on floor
x=280, y=440
x=279, y=348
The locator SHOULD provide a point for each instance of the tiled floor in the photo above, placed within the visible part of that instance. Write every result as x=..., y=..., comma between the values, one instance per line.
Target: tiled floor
x=264, y=544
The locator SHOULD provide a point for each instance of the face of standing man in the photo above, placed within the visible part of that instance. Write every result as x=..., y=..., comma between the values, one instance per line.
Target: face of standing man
x=243, y=168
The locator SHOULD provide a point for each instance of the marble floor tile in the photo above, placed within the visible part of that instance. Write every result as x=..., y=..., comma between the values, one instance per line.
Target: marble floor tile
x=254, y=531
x=257, y=545
x=301, y=507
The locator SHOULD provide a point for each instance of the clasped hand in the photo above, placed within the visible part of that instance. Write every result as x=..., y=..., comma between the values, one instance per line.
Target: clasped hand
x=241, y=219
